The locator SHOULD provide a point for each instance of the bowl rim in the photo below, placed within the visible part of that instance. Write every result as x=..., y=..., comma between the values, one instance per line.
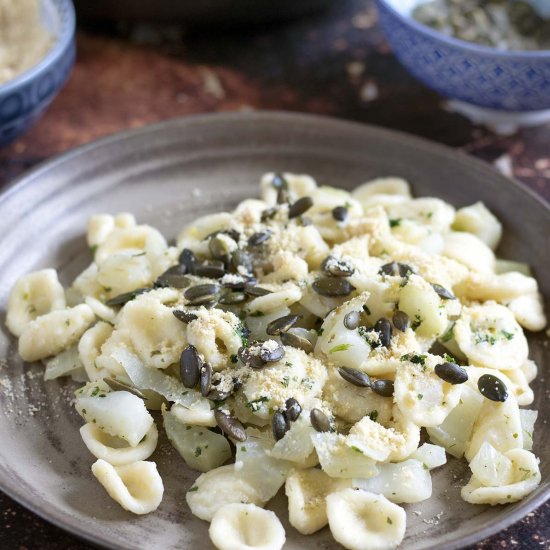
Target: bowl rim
x=463, y=44
x=60, y=46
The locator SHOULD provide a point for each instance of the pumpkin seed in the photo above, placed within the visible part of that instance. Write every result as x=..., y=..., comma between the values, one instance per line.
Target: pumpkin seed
x=492, y=388
x=443, y=293
x=219, y=248
x=391, y=268
x=352, y=320
x=237, y=282
x=355, y=377
x=207, y=291
x=233, y=298
x=383, y=387
x=296, y=341
x=401, y=320
x=259, y=238
x=271, y=354
x=383, y=327
x=248, y=357
x=269, y=214
x=230, y=426
x=122, y=299
x=213, y=269
x=242, y=259
x=254, y=290
x=190, y=366
x=117, y=385
x=188, y=259
x=282, y=324
x=279, y=181
x=340, y=213
x=218, y=395
x=279, y=425
x=405, y=270
x=330, y=286
x=174, y=277
x=184, y=316
x=282, y=196
x=337, y=268
x=293, y=409
x=300, y=207
x=319, y=420
x=452, y=373
x=205, y=379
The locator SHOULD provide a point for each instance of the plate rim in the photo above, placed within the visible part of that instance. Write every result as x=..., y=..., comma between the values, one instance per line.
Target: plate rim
x=62, y=519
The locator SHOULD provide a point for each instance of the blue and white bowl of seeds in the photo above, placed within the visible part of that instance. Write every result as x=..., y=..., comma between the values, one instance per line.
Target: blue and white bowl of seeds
x=25, y=94
x=489, y=84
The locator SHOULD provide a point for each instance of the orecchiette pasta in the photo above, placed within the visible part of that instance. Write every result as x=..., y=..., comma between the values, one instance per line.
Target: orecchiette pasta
x=470, y=251
x=307, y=491
x=490, y=337
x=479, y=221
x=360, y=520
x=137, y=487
x=33, y=295
x=522, y=477
x=115, y=450
x=246, y=527
x=218, y=487
x=310, y=334
x=54, y=332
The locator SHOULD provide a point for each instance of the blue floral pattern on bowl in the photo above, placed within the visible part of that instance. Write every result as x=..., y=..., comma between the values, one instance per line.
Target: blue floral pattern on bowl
x=484, y=76
x=24, y=99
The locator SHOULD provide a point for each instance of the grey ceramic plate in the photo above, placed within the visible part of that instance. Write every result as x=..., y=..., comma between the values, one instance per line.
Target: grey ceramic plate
x=168, y=174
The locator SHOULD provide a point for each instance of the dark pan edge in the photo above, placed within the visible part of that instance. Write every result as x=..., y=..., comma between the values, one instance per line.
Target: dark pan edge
x=63, y=520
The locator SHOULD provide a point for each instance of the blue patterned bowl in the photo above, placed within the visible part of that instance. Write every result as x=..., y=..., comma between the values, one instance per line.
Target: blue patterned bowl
x=25, y=98
x=481, y=75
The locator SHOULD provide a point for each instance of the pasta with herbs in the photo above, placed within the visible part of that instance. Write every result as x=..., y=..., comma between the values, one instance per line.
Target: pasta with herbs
x=317, y=330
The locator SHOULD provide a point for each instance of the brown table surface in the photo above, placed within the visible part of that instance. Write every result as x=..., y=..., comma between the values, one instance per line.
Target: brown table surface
x=335, y=63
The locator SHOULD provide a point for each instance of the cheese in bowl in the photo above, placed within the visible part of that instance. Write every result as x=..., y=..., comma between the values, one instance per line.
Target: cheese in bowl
x=23, y=39
x=302, y=340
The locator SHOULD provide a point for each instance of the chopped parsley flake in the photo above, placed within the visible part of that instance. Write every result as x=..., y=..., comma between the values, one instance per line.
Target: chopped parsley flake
x=254, y=405
x=417, y=322
x=395, y=222
x=449, y=358
x=448, y=335
x=415, y=358
x=340, y=347
x=243, y=332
